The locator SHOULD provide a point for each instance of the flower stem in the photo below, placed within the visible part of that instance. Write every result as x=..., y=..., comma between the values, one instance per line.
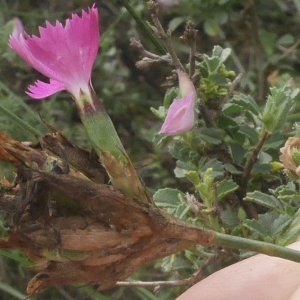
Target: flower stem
x=206, y=237
x=235, y=242
x=20, y=122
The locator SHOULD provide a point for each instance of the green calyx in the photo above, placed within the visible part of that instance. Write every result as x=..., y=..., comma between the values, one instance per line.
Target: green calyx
x=108, y=146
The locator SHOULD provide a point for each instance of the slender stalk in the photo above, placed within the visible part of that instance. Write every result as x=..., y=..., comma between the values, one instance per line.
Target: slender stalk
x=288, y=51
x=207, y=237
x=9, y=92
x=171, y=283
x=20, y=122
x=189, y=37
x=232, y=88
x=241, y=192
x=165, y=36
x=253, y=159
x=12, y=291
x=235, y=242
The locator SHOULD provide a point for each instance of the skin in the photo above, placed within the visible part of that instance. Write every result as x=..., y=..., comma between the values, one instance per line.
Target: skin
x=260, y=277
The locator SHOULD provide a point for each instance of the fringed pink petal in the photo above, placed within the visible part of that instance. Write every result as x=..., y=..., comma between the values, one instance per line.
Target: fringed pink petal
x=40, y=89
x=63, y=53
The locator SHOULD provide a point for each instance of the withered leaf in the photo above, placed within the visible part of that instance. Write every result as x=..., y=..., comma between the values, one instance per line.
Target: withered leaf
x=76, y=230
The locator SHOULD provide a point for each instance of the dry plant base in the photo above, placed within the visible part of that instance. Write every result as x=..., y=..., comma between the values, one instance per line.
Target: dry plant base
x=77, y=230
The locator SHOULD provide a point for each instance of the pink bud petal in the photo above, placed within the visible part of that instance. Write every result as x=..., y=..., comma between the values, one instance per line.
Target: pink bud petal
x=180, y=117
x=18, y=27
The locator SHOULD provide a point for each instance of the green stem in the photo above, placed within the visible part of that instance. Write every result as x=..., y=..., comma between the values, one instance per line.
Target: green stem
x=6, y=288
x=235, y=242
x=11, y=94
x=202, y=236
x=20, y=122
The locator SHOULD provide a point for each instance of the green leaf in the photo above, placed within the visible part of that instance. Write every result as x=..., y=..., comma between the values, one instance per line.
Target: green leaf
x=286, y=40
x=291, y=232
x=219, y=79
x=212, y=135
x=237, y=152
x=274, y=142
x=261, y=168
x=167, y=197
x=225, y=187
x=214, y=164
x=182, y=168
x=264, y=226
x=223, y=54
x=160, y=112
x=265, y=200
x=246, y=102
x=193, y=177
x=212, y=63
x=182, y=210
x=170, y=95
x=211, y=27
x=256, y=227
x=250, y=132
x=181, y=152
x=278, y=105
x=229, y=217
x=231, y=108
x=287, y=192
x=268, y=40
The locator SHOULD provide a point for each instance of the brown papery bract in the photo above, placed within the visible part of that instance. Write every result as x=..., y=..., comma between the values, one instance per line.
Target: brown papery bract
x=75, y=228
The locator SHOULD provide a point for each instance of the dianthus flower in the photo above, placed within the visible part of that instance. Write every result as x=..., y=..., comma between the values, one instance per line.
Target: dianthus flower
x=64, y=54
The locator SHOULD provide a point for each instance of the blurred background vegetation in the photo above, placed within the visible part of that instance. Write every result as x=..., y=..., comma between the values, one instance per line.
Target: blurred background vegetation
x=263, y=35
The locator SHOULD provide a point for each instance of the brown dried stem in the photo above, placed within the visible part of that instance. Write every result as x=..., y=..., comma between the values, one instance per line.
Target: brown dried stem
x=241, y=192
x=164, y=36
x=196, y=277
x=147, y=56
x=289, y=50
x=189, y=37
x=253, y=159
x=171, y=283
x=207, y=115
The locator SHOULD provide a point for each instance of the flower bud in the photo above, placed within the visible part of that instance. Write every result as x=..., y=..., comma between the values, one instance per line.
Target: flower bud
x=180, y=117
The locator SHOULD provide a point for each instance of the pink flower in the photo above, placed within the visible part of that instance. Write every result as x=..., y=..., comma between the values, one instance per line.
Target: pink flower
x=180, y=117
x=65, y=54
